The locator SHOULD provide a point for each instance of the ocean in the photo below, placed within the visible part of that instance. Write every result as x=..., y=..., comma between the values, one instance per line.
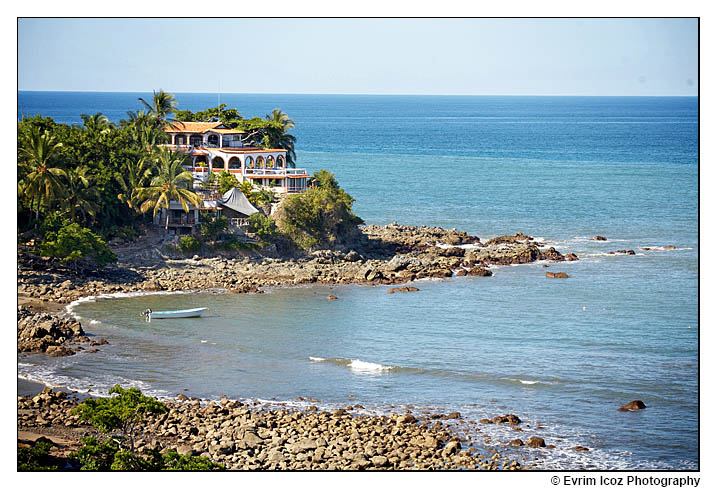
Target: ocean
x=560, y=354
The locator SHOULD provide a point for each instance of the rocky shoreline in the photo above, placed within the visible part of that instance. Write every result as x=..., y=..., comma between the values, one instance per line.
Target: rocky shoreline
x=392, y=254
x=243, y=436
x=249, y=437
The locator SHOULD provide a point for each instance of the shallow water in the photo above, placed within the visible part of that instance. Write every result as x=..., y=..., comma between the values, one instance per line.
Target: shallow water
x=562, y=353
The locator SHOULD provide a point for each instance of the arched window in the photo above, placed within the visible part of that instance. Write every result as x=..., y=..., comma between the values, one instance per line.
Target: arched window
x=200, y=161
x=217, y=163
x=280, y=161
x=260, y=162
x=234, y=163
x=270, y=162
x=249, y=163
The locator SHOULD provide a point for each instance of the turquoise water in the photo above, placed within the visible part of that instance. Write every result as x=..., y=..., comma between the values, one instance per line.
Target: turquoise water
x=561, y=353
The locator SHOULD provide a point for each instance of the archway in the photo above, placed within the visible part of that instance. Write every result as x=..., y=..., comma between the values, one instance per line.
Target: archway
x=280, y=161
x=234, y=163
x=218, y=163
x=249, y=163
x=260, y=162
x=270, y=162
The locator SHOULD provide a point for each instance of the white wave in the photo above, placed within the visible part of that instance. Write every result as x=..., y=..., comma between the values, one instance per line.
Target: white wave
x=316, y=359
x=95, y=322
x=203, y=341
x=524, y=382
x=363, y=366
x=96, y=386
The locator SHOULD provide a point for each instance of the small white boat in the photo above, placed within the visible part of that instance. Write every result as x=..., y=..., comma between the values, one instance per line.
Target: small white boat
x=192, y=313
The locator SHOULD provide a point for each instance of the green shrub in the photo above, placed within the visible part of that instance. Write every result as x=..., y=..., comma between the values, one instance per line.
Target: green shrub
x=189, y=244
x=173, y=461
x=262, y=226
x=212, y=226
x=71, y=242
x=35, y=458
x=122, y=413
x=321, y=216
x=95, y=455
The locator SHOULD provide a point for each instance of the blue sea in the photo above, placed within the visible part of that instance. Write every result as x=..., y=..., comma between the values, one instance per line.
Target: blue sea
x=563, y=355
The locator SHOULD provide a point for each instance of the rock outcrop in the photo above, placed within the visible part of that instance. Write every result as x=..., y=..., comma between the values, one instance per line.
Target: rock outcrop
x=44, y=332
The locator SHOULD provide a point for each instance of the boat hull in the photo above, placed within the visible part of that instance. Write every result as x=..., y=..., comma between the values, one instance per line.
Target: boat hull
x=193, y=313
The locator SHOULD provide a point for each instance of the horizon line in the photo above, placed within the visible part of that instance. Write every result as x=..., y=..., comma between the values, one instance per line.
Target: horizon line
x=367, y=94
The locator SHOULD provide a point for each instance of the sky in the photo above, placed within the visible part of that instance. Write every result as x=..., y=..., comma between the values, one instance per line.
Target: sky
x=361, y=56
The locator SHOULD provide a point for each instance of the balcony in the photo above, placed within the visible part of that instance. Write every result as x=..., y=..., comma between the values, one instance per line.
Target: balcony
x=275, y=171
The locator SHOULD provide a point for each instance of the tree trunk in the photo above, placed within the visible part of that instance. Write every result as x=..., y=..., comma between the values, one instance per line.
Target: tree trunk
x=167, y=222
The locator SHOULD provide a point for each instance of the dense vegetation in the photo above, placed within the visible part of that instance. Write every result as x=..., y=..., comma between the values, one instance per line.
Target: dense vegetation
x=116, y=420
x=95, y=181
x=79, y=186
x=37, y=457
x=320, y=217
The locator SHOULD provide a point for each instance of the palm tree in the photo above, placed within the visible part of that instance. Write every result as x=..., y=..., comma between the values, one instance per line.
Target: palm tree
x=145, y=129
x=97, y=122
x=136, y=174
x=282, y=118
x=170, y=184
x=281, y=138
x=82, y=195
x=163, y=105
x=38, y=155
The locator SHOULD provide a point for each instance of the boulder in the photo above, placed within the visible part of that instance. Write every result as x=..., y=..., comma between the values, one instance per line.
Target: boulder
x=518, y=237
x=506, y=419
x=480, y=271
x=623, y=252
x=551, y=254
x=406, y=419
x=402, y=289
x=580, y=448
x=452, y=447
x=380, y=461
x=571, y=256
x=516, y=443
x=535, y=442
x=599, y=238
x=632, y=406
x=331, y=297
x=58, y=351
x=185, y=449
x=557, y=275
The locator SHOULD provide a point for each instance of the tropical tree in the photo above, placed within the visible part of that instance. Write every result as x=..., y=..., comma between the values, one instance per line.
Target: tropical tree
x=145, y=129
x=42, y=184
x=82, y=194
x=97, y=123
x=135, y=174
x=170, y=184
x=163, y=105
x=281, y=138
